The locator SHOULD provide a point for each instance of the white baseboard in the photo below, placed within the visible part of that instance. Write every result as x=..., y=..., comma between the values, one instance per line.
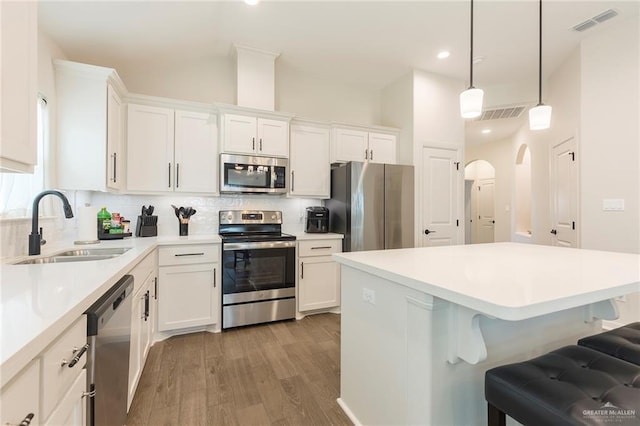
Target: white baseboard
x=348, y=412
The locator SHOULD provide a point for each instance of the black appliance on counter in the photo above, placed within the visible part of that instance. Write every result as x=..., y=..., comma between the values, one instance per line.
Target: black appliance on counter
x=317, y=220
x=258, y=268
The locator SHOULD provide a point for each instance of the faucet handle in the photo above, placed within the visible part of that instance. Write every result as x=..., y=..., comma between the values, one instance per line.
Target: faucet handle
x=42, y=240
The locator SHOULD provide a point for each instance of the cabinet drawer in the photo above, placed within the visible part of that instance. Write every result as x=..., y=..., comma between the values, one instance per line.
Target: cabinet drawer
x=20, y=396
x=319, y=247
x=71, y=409
x=189, y=254
x=57, y=376
x=142, y=270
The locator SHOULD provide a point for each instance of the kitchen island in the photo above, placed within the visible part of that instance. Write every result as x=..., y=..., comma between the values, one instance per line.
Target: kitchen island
x=421, y=326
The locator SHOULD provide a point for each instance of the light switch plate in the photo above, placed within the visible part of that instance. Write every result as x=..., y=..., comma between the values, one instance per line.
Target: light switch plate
x=613, y=204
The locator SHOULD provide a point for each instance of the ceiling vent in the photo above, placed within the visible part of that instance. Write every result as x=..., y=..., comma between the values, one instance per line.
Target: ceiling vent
x=500, y=113
x=598, y=19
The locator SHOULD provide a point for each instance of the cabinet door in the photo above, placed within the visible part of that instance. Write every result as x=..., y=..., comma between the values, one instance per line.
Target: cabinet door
x=350, y=145
x=18, y=85
x=196, y=152
x=135, y=365
x=20, y=397
x=382, y=148
x=318, y=283
x=114, y=140
x=309, y=162
x=239, y=134
x=273, y=138
x=149, y=148
x=71, y=411
x=187, y=296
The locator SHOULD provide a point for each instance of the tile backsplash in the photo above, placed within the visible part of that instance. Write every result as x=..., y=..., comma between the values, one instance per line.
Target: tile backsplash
x=14, y=233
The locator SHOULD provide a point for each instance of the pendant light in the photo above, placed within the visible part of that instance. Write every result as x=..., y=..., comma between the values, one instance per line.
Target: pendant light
x=471, y=99
x=540, y=115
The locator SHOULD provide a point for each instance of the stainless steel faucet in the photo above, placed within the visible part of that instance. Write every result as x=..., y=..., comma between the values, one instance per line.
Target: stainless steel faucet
x=35, y=238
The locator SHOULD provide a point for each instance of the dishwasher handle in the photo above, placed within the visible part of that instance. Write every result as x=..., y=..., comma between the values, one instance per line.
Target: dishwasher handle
x=105, y=307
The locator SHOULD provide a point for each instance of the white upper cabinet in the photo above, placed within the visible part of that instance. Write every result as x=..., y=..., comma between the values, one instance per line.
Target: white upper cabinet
x=255, y=135
x=382, y=148
x=350, y=145
x=149, y=148
x=171, y=150
x=18, y=85
x=309, y=162
x=363, y=145
x=196, y=152
x=90, y=116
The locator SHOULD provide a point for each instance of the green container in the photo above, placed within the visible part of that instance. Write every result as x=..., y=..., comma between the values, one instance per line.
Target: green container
x=104, y=222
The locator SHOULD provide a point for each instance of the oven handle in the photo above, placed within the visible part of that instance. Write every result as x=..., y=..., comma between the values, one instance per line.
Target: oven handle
x=258, y=245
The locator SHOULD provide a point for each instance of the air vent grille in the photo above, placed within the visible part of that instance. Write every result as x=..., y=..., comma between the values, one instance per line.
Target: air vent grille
x=598, y=19
x=500, y=113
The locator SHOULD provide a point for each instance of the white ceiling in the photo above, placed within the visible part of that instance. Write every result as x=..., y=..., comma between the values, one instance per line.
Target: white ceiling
x=365, y=43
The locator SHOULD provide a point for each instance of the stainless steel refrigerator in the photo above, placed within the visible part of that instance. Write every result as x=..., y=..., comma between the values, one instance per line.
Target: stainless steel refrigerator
x=372, y=205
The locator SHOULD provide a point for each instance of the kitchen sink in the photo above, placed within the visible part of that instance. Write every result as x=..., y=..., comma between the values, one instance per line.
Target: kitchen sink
x=80, y=255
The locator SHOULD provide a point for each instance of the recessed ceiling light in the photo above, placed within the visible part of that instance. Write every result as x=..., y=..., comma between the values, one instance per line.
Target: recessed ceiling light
x=444, y=54
x=251, y=2
x=486, y=131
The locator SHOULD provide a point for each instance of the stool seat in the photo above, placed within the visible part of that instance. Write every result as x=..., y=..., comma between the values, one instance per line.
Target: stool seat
x=623, y=342
x=569, y=386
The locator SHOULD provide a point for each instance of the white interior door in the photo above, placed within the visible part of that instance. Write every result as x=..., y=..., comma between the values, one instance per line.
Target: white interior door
x=440, y=180
x=486, y=214
x=564, y=194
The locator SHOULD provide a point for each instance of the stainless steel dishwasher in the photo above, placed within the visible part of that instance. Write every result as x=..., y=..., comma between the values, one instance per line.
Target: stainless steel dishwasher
x=109, y=336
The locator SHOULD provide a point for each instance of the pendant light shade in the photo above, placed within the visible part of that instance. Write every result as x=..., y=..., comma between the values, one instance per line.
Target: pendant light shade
x=471, y=103
x=471, y=99
x=540, y=115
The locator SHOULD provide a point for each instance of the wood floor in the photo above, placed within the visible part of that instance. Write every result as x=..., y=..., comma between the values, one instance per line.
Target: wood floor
x=285, y=373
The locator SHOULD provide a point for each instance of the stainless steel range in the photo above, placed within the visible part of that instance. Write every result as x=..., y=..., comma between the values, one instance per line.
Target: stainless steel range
x=258, y=268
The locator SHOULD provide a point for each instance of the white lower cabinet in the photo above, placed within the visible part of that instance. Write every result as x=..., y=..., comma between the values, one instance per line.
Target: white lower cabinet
x=188, y=286
x=19, y=399
x=72, y=409
x=50, y=390
x=318, y=274
x=143, y=317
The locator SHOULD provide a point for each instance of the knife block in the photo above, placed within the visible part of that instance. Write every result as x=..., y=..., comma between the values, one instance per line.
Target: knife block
x=147, y=226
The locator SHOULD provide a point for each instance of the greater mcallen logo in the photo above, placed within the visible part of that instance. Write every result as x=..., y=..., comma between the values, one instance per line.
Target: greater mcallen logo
x=610, y=413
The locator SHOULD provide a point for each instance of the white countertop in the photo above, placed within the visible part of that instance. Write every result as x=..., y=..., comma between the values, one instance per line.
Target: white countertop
x=318, y=236
x=38, y=302
x=510, y=281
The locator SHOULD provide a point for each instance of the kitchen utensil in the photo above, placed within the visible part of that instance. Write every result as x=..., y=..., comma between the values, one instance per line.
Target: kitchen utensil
x=176, y=211
x=150, y=210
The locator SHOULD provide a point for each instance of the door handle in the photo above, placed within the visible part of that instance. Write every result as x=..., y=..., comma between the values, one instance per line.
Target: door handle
x=371, y=155
x=169, y=175
x=260, y=144
x=427, y=232
x=366, y=154
x=554, y=232
x=115, y=161
x=214, y=277
x=155, y=284
x=177, y=175
x=292, y=182
x=301, y=270
x=253, y=144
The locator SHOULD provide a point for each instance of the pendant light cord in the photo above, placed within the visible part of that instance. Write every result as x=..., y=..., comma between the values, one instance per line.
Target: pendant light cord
x=471, y=51
x=539, y=56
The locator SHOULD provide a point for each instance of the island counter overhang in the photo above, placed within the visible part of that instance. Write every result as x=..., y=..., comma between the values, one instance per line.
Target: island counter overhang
x=438, y=306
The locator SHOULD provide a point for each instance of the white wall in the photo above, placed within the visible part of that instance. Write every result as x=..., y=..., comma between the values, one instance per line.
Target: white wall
x=397, y=111
x=499, y=155
x=610, y=138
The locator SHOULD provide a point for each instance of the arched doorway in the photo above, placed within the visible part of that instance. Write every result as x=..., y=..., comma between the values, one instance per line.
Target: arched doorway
x=523, y=194
x=479, y=178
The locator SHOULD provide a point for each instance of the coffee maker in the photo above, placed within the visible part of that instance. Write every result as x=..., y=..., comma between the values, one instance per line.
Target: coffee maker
x=317, y=220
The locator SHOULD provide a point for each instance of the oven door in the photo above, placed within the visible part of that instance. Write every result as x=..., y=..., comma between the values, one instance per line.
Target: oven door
x=255, y=271
x=239, y=173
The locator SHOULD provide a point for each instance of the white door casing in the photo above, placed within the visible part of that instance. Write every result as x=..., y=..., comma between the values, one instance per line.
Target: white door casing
x=441, y=176
x=564, y=194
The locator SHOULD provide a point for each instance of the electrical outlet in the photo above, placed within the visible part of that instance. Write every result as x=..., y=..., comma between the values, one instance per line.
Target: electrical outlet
x=369, y=296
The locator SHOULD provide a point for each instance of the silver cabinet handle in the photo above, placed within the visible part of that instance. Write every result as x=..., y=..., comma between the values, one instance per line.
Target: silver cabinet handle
x=188, y=254
x=115, y=161
x=169, y=175
x=177, y=175
x=77, y=354
x=321, y=248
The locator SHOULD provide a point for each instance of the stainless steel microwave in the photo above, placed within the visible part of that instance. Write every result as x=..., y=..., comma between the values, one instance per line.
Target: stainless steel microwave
x=244, y=173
